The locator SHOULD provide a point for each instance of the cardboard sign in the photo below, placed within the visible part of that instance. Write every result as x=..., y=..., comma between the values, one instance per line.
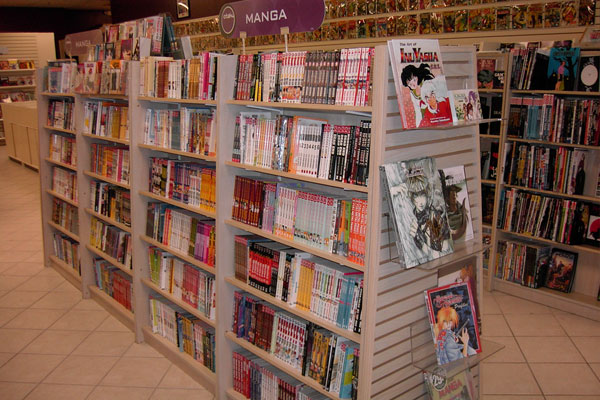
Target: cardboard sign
x=267, y=17
x=76, y=44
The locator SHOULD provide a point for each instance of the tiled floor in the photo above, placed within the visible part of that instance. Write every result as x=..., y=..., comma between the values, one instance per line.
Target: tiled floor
x=53, y=345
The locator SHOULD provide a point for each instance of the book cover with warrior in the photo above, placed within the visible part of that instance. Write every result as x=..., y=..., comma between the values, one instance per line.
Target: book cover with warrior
x=417, y=210
x=453, y=322
x=454, y=187
x=420, y=83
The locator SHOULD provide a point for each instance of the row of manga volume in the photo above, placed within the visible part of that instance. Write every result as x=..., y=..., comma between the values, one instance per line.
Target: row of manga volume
x=561, y=220
x=16, y=64
x=190, y=183
x=61, y=114
x=67, y=250
x=340, y=77
x=185, y=129
x=63, y=149
x=127, y=37
x=184, y=330
x=111, y=241
x=107, y=119
x=560, y=67
x=547, y=168
x=555, y=119
x=179, y=79
x=65, y=215
x=328, y=290
x=304, y=146
x=314, y=352
x=102, y=77
x=110, y=161
x=64, y=183
x=16, y=80
x=111, y=201
x=14, y=97
x=535, y=266
x=332, y=224
x=184, y=232
x=183, y=281
x=429, y=209
x=60, y=76
x=257, y=380
x=113, y=282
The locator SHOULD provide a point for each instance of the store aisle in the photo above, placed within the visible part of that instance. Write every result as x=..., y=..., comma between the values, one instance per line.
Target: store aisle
x=53, y=344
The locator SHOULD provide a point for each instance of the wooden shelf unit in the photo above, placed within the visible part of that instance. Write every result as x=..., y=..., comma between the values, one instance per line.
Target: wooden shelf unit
x=106, y=138
x=64, y=231
x=177, y=152
x=108, y=220
x=112, y=306
x=52, y=128
x=61, y=164
x=110, y=259
x=587, y=275
x=67, y=271
x=179, y=204
x=106, y=179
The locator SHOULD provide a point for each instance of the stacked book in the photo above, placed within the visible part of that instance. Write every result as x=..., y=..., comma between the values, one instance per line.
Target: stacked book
x=65, y=215
x=111, y=201
x=113, y=282
x=107, y=119
x=60, y=76
x=66, y=249
x=64, y=183
x=103, y=77
x=60, y=114
x=111, y=241
x=111, y=162
x=63, y=149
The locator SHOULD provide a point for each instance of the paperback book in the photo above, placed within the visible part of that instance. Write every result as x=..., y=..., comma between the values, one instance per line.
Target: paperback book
x=561, y=272
x=457, y=387
x=453, y=322
x=417, y=210
x=420, y=83
x=465, y=105
x=458, y=209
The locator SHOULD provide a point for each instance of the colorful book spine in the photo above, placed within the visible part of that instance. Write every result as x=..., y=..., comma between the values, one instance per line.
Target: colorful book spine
x=67, y=250
x=112, y=241
x=111, y=201
x=65, y=215
x=60, y=114
x=64, y=183
x=63, y=149
x=111, y=162
x=106, y=119
x=113, y=282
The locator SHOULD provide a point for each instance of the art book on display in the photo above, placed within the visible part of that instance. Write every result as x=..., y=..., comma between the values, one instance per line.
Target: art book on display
x=453, y=322
x=417, y=210
x=561, y=271
x=457, y=387
x=458, y=209
x=562, y=68
x=465, y=105
x=420, y=83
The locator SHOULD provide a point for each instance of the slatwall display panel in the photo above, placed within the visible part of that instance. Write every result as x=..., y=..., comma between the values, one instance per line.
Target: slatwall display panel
x=402, y=331
x=38, y=47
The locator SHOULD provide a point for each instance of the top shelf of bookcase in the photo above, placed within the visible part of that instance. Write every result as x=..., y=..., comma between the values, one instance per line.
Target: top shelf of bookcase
x=178, y=101
x=545, y=142
x=301, y=106
x=16, y=71
x=484, y=90
x=556, y=92
x=104, y=96
x=50, y=94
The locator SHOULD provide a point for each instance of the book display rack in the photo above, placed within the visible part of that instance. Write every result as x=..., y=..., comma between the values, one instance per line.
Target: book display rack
x=527, y=251
x=385, y=332
x=17, y=83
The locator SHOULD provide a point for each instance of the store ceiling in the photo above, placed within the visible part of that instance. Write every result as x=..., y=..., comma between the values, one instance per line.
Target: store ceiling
x=103, y=5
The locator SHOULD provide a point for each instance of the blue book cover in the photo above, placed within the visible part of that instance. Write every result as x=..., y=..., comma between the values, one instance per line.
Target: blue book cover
x=563, y=68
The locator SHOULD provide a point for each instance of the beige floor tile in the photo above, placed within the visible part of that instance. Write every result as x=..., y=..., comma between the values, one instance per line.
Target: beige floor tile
x=567, y=379
x=534, y=325
x=24, y=269
x=515, y=305
x=14, y=340
x=142, y=350
x=571, y=397
x=67, y=286
x=490, y=306
x=510, y=353
x=495, y=325
x=589, y=347
x=596, y=368
x=47, y=391
x=105, y=344
x=510, y=397
x=549, y=349
x=37, y=257
x=58, y=300
x=7, y=314
x=40, y=283
x=3, y=293
x=120, y=393
x=88, y=304
x=111, y=324
x=19, y=299
x=28, y=245
x=56, y=342
x=84, y=320
x=48, y=271
x=175, y=378
x=82, y=370
x=18, y=256
x=577, y=326
x=4, y=357
x=29, y=367
x=35, y=319
x=5, y=265
x=508, y=378
x=168, y=394
x=137, y=372
x=11, y=282
x=15, y=391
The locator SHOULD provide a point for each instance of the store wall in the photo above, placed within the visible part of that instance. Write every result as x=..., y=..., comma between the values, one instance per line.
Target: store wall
x=57, y=20
x=125, y=10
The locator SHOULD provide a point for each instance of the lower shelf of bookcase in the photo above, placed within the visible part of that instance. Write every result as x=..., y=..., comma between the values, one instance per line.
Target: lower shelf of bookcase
x=67, y=271
x=575, y=303
x=193, y=368
x=112, y=306
x=277, y=363
x=233, y=395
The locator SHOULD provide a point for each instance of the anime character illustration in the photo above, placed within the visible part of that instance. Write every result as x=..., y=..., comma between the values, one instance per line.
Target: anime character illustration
x=437, y=110
x=413, y=78
x=453, y=322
